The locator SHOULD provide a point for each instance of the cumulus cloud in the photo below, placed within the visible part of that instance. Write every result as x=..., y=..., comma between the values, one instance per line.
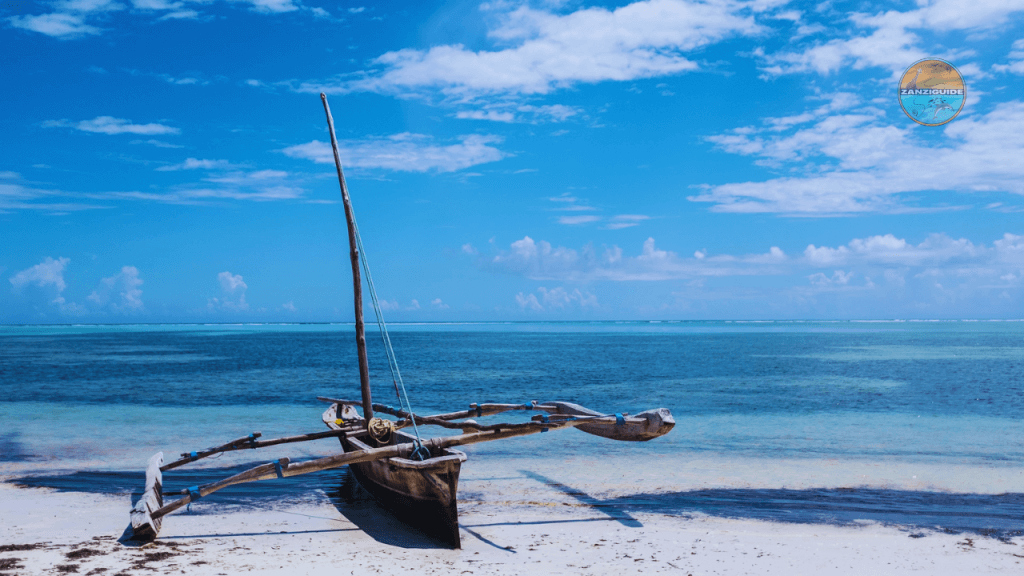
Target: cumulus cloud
x=404, y=152
x=555, y=300
x=44, y=285
x=233, y=289
x=438, y=304
x=47, y=276
x=543, y=51
x=856, y=163
x=838, y=278
x=890, y=39
x=542, y=261
x=120, y=292
x=232, y=283
x=528, y=302
x=394, y=306
x=111, y=125
x=937, y=254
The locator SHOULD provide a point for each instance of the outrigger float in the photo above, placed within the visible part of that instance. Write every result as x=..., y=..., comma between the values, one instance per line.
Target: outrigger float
x=416, y=479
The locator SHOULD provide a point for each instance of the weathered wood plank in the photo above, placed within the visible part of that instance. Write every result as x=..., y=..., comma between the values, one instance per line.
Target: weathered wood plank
x=246, y=444
x=144, y=525
x=640, y=427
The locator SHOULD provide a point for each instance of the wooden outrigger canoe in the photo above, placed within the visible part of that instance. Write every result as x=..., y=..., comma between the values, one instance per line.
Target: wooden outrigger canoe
x=414, y=478
x=421, y=493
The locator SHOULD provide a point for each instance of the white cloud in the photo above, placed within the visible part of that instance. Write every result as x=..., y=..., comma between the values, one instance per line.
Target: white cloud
x=198, y=196
x=509, y=111
x=528, y=302
x=59, y=25
x=19, y=197
x=180, y=15
x=438, y=304
x=254, y=177
x=389, y=305
x=625, y=221
x=556, y=299
x=111, y=125
x=403, y=152
x=77, y=18
x=551, y=112
x=120, y=292
x=254, y=186
x=937, y=253
x=394, y=306
x=856, y=163
x=157, y=143
x=270, y=6
x=542, y=261
x=1016, y=58
x=574, y=220
x=230, y=284
x=195, y=164
x=492, y=115
x=546, y=51
x=887, y=40
x=48, y=274
x=938, y=250
x=839, y=278
x=289, y=306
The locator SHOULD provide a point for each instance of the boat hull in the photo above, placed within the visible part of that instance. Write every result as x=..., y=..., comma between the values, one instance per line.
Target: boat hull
x=422, y=494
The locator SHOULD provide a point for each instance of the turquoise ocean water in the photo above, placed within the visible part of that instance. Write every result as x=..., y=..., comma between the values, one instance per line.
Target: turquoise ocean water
x=918, y=424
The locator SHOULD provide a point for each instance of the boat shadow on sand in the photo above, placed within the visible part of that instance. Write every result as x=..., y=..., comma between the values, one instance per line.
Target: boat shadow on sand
x=996, y=515
x=359, y=507
x=918, y=512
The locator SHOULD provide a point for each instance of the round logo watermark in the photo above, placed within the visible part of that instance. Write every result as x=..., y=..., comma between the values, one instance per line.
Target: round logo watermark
x=931, y=92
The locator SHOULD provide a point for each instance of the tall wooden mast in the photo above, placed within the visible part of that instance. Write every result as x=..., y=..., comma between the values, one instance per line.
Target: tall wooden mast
x=357, y=283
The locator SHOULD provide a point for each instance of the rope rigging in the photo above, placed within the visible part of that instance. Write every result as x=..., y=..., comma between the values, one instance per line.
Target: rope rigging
x=421, y=453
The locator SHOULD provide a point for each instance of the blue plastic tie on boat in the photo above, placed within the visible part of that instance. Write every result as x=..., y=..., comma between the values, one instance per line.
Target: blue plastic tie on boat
x=420, y=453
x=619, y=420
x=194, y=455
x=528, y=406
x=252, y=441
x=544, y=419
x=479, y=412
x=194, y=493
x=277, y=466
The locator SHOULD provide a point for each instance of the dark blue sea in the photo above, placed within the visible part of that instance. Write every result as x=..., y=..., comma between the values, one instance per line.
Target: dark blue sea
x=917, y=424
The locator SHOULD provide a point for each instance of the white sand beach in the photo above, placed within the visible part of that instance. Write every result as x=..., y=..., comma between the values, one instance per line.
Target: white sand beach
x=506, y=529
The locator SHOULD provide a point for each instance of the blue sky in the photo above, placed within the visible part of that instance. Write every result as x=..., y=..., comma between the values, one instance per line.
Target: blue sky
x=168, y=161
